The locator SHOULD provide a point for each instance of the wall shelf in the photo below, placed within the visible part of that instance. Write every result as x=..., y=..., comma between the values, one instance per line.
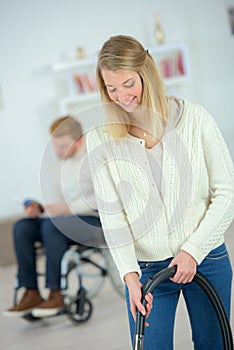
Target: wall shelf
x=76, y=83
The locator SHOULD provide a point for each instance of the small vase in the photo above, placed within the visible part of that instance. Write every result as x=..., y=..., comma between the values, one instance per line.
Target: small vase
x=159, y=32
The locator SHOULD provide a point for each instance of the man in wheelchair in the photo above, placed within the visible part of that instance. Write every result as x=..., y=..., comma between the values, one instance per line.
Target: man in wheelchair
x=69, y=219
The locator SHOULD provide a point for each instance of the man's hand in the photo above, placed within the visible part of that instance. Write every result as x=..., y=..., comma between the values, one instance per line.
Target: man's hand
x=33, y=210
x=186, y=267
x=135, y=294
x=57, y=209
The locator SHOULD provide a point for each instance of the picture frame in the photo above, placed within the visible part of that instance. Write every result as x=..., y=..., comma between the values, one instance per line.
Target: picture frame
x=230, y=12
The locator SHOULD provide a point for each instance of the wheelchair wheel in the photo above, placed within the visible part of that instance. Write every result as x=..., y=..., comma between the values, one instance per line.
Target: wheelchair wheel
x=114, y=274
x=79, y=311
x=92, y=270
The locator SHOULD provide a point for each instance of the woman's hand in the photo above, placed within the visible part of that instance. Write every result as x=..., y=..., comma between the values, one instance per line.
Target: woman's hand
x=135, y=294
x=186, y=267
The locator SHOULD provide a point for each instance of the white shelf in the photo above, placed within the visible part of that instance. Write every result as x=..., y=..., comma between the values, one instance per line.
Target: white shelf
x=74, y=64
x=169, y=82
x=86, y=97
x=75, y=103
x=167, y=47
x=75, y=92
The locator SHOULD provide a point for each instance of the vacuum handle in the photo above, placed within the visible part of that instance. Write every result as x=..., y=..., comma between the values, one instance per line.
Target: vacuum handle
x=150, y=284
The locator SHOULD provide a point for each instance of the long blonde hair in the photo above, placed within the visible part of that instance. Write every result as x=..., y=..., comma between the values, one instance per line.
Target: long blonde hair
x=125, y=52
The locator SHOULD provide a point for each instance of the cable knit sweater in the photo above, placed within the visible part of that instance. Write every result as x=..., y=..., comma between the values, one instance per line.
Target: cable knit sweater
x=192, y=209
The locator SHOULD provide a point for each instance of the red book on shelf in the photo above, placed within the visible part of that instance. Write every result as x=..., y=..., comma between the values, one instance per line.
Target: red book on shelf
x=79, y=84
x=86, y=83
x=165, y=68
x=180, y=64
x=92, y=81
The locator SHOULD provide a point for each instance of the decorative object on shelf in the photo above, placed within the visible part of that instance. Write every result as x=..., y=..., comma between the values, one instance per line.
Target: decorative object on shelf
x=158, y=29
x=80, y=53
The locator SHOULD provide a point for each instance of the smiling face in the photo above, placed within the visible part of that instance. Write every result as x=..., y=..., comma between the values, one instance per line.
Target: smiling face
x=124, y=87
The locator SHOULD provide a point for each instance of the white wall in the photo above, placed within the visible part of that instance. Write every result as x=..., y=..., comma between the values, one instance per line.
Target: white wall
x=33, y=34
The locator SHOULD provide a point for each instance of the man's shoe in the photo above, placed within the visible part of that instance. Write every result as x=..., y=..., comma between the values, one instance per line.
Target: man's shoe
x=30, y=299
x=51, y=306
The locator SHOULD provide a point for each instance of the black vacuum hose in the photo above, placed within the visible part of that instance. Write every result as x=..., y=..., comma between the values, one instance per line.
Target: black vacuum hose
x=152, y=282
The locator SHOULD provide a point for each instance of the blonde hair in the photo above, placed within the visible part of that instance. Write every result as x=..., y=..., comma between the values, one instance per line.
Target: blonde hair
x=125, y=52
x=66, y=125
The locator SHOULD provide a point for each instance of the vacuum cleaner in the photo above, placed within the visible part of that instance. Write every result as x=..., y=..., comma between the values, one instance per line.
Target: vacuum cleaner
x=152, y=282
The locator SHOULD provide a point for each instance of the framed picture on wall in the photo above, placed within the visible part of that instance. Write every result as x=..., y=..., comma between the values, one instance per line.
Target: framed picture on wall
x=230, y=11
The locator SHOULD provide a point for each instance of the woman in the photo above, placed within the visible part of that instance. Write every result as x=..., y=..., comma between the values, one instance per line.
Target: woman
x=163, y=178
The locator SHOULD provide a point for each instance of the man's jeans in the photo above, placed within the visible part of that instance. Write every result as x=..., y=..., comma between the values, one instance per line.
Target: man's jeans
x=28, y=231
x=206, y=332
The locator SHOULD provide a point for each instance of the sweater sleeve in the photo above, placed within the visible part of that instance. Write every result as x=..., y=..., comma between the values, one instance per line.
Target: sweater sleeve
x=114, y=221
x=219, y=213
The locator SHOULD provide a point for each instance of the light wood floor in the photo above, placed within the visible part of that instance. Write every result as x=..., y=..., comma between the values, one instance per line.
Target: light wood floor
x=107, y=328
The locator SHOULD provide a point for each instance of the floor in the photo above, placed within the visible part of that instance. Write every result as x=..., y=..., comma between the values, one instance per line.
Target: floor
x=107, y=329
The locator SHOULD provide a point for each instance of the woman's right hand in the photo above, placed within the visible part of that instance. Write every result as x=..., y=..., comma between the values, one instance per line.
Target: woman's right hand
x=135, y=294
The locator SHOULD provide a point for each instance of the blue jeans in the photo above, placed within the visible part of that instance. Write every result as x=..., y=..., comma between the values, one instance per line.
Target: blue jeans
x=206, y=333
x=28, y=231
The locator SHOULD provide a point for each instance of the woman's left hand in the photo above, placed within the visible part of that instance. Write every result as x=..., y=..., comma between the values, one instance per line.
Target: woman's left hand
x=186, y=267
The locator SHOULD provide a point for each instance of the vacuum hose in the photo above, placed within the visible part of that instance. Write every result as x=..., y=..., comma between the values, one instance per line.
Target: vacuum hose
x=152, y=282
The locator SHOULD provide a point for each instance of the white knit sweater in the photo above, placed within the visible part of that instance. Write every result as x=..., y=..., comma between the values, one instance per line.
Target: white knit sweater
x=190, y=212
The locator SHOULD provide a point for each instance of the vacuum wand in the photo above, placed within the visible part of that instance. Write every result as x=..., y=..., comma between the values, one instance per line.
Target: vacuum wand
x=152, y=282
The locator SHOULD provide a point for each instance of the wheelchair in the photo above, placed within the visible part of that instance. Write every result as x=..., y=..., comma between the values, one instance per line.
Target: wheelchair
x=84, y=270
